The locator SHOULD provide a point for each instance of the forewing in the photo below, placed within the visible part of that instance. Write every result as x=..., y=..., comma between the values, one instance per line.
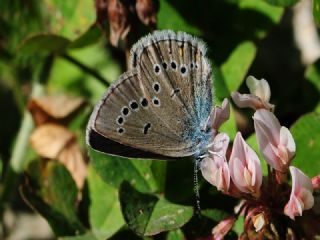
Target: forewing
x=174, y=69
x=162, y=104
x=126, y=115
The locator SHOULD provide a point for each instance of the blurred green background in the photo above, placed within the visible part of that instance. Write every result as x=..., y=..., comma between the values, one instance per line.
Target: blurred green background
x=56, y=47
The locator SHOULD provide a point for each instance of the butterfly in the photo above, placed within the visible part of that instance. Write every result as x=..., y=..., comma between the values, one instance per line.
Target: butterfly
x=160, y=108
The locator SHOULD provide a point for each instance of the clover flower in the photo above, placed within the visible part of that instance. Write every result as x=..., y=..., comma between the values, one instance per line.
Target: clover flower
x=264, y=201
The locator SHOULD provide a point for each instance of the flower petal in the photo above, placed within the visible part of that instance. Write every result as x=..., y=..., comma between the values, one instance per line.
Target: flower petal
x=251, y=101
x=259, y=88
x=269, y=123
x=238, y=148
x=208, y=169
x=219, y=115
x=220, y=230
x=301, y=197
x=300, y=180
x=293, y=207
x=268, y=131
x=287, y=141
x=245, y=169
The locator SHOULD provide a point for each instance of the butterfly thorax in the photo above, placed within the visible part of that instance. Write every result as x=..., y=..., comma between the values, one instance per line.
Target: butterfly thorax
x=202, y=138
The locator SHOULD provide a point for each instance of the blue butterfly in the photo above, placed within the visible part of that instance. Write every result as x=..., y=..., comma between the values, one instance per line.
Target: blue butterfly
x=160, y=108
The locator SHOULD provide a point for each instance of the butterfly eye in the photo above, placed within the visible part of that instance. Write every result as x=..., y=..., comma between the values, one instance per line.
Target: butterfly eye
x=191, y=65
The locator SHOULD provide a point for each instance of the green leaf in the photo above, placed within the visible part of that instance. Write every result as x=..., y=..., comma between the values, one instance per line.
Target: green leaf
x=66, y=77
x=274, y=13
x=54, y=195
x=239, y=225
x=159, y=171
x=236, y=67
x=170, y=18
x=70, y=18
x=45, y=43
x=92, y=35
x=219, y=89
x=282, y=3
x=175, y=235
x=60, y=190
x=104, y=212
x=167, y=216
x=147, y=215
x=306, y=133
x=308, y=91
x=312, y=74
x=316, y=11
x=215, y=214
x=114, y=170
x=87, y=236
x=52, y=43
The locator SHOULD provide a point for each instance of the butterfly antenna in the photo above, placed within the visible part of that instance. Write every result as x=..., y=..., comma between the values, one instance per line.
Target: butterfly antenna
x=196, y=184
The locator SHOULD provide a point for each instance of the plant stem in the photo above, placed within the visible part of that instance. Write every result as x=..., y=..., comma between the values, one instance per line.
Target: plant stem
x=22, y=141
x=86, y=69
x=18, y=158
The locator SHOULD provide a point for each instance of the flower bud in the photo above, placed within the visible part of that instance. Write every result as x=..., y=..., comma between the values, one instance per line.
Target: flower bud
x=219, y=115
x=119, y=19
x=220, y=230
x=245, y=169
x=147, y=11
x=275, y=141
x=215, y=168
x=316, y=182
x=259, y=95
x=301, y=197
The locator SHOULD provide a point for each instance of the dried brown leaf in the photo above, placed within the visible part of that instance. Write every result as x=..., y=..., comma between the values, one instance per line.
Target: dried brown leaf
x=49, y=140
x=47, y=108
x=73, y=159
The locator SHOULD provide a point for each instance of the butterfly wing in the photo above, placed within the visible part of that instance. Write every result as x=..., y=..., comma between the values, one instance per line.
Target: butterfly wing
x=162, y=104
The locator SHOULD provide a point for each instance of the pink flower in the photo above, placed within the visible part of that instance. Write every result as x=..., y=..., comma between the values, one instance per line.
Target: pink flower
x=259, y=95
x=220, y=230
x=219, y=115
x=316, y=182
x=275, y=141
x=245, y=167
x=301, y=197
x=215, y=168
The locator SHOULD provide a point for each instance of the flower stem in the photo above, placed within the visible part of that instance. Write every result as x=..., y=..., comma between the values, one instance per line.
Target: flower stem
x=86, y=69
